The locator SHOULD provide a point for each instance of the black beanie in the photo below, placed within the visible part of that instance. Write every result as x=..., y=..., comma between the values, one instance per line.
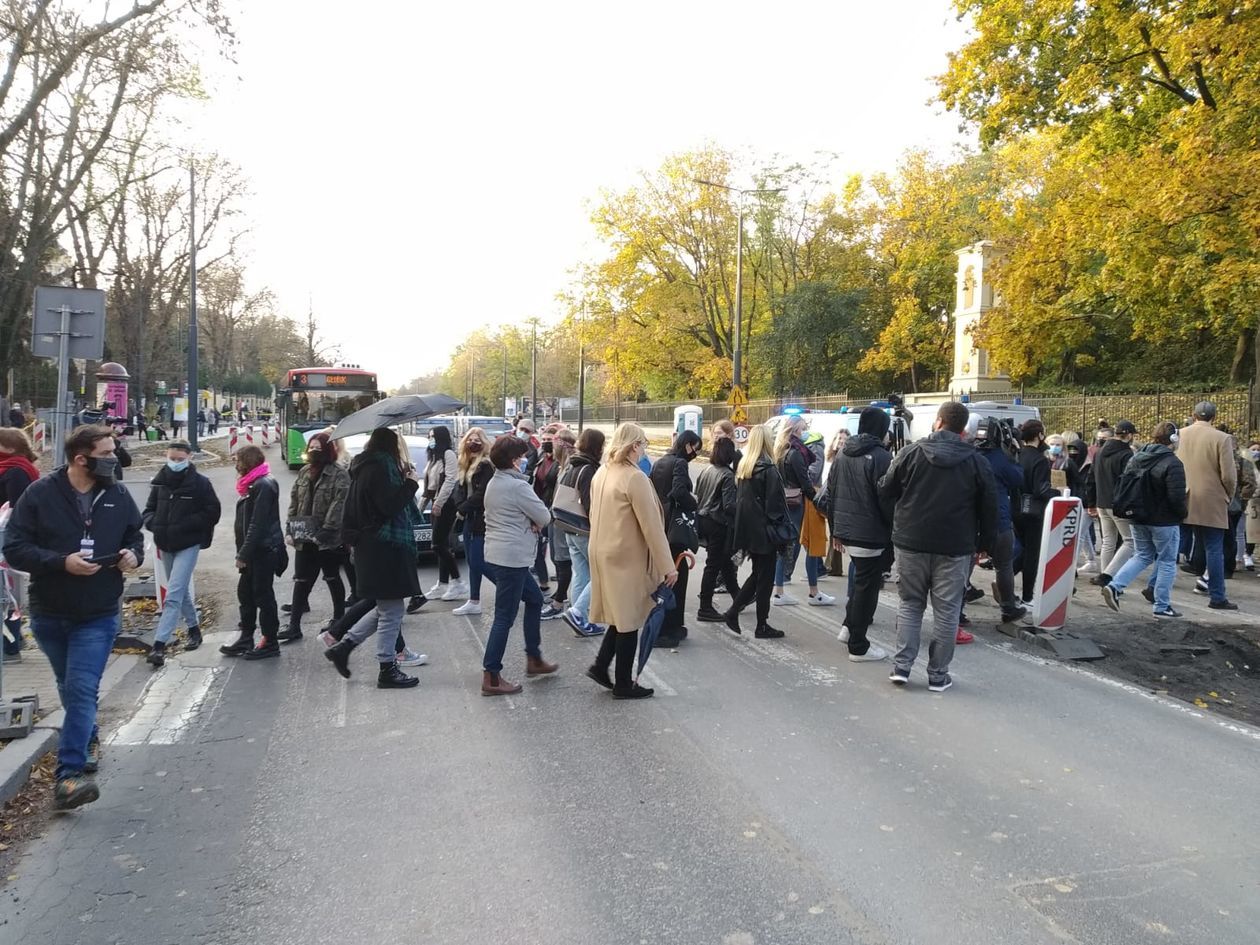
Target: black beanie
x=875, y=421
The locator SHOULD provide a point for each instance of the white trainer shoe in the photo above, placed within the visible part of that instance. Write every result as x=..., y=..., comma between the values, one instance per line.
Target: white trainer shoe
x=456, y=591
x=873, y=655
x=1089, y=567
x=409, y=657
x=783, y=600
x=843, y=636
x=821, y=600
x=436, y=591
x=469, y=608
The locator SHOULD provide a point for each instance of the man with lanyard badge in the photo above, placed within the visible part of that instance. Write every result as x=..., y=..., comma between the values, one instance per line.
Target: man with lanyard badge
x=76, y=531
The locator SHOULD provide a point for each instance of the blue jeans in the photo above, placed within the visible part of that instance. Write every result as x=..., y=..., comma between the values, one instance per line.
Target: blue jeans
x=786, y=563
x=179, y=599
x=580, y=591
x=512, y=587
x=1213, y=541
x=1157, y=545
x=475, y=555
x=78, y=651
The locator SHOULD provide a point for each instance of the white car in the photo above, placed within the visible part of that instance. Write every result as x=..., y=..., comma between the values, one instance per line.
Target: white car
x=418, y=448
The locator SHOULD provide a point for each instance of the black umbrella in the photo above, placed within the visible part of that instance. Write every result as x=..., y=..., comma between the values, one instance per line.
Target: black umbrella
x=393, y=411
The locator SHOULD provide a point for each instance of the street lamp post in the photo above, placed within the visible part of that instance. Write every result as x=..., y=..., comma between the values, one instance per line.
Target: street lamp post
x=737, y=375
x=193, y=400
x=581, y=367
x=533, y=396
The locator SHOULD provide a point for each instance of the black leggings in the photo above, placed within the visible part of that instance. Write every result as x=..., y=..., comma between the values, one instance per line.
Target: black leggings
x=717, y=563
x=564, y=575
x=448, y=570
x=310, y=560
x=758, y=587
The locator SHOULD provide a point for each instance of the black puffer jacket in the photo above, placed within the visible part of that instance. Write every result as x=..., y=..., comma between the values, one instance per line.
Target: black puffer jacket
x=1106, y=469
x=46, y=526
x=257, y=522
x=473, y=508
x=759, y=503
x=944, y=495
x=858, y=516
x=1168, y=484
x=182, y=509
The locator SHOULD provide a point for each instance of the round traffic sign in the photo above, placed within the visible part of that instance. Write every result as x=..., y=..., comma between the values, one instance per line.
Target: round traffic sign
x=741, y=434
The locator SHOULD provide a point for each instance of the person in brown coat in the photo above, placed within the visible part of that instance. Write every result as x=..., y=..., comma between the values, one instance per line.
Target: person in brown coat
x=1211, y=478
x=629, y=556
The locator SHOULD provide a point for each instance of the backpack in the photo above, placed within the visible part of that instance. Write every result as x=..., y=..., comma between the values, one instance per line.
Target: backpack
x=1135, y=495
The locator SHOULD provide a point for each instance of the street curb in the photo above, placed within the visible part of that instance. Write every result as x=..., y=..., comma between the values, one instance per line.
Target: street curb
x=21, y=755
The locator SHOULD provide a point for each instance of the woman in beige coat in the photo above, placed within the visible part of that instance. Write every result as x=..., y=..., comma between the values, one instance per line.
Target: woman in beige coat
x=629, y=557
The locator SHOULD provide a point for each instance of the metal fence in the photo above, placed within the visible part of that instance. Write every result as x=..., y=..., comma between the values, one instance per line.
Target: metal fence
x=1081, y=412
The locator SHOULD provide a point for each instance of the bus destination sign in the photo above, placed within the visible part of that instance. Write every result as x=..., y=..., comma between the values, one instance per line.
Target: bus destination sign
x=333, y=380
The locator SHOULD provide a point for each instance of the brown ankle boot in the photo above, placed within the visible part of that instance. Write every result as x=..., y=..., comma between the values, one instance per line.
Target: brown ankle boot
x=537, y=666
x=493, y=684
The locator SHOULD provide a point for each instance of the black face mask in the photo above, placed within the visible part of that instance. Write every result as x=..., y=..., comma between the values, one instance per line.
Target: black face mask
x=548, y=447
x=102, y=468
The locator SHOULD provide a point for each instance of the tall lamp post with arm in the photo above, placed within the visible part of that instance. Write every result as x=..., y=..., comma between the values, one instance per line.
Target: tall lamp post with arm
x=737, y=375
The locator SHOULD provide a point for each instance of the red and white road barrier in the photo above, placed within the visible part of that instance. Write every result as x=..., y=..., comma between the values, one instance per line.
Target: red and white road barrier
x=249, y=434
x=39, y=437
x=266, y=436
x=233, y=441
x=1056, y=568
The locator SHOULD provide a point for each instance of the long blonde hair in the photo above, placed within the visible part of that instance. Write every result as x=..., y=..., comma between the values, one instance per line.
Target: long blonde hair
x=623, y=442
x=759, y=439
x=563, y=444
x=468, y=460
x=786, y=429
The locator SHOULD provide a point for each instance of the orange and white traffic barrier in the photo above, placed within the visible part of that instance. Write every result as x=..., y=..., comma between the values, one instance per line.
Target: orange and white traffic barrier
x=249, y=434
x=233, y=441
x=39, y=437
x=266, y=436
x=1056, y=568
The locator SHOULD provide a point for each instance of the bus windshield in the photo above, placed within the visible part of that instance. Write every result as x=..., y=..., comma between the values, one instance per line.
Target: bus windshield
x=327, y=407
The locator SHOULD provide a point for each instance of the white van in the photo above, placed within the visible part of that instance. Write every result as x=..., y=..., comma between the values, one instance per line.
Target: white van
x=923, y=415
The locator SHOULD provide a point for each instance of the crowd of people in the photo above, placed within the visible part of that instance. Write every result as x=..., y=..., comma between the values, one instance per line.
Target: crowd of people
x=621, y=533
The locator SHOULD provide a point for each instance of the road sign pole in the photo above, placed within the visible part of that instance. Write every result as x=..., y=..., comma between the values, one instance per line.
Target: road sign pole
x=63, y=388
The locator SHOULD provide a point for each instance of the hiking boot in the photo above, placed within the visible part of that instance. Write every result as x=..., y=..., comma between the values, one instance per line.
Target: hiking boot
x=93, y=761
x=339, y=655
x=767, y=632
x=244, y=643
x=391, y=677
x=194, y=639
x=265, y=650
x=157, y=655
x=74, y=791
x=292, y=634
x=493, y=684
x=537, y=666
x=709, y=615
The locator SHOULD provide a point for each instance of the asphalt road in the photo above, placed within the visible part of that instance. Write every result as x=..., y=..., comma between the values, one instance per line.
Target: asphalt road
x=772, y=792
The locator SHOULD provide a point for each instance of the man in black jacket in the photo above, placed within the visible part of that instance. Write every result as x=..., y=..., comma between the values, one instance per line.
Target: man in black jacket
x=75, y=532
x=672, y=480
x=1117, y=536
x=945, y=510
x=181, y=512
x=862, y=523
x=1161, y=480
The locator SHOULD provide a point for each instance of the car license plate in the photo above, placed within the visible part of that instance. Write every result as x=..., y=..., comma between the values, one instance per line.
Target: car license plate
x=424, y=535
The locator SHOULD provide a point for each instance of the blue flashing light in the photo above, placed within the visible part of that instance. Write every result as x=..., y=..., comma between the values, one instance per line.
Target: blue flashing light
x=793, y=411
x=966, y=398
x=1019, y=401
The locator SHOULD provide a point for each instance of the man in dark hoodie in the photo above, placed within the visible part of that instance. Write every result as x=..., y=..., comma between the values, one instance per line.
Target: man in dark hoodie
x=996, y=444
x=672, y=481
x=1157, y=525
x=75, y=532
x=1117, y=536
x=945, y=510
x=862, y=524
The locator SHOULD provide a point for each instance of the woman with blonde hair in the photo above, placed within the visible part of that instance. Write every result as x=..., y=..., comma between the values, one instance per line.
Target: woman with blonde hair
x=629, y=556
x=793, y=459
x=762, y=527
x=475, y=473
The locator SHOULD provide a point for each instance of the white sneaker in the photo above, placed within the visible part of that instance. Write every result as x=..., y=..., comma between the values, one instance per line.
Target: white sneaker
x=1089, y=567
x=1249, y=562
x=820, y=600
x=893, y=576
x=843, y=635
x=873, y=655
x=436, y=591
x=783, y=600
x=456, y=591
x=468, y=609
x=409, y=657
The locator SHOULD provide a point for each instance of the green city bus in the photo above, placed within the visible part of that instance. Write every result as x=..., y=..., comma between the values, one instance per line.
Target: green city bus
x=314, y=399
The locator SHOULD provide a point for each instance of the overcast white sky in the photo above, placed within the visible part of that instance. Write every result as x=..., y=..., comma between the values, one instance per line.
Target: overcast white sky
x=422, y=169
